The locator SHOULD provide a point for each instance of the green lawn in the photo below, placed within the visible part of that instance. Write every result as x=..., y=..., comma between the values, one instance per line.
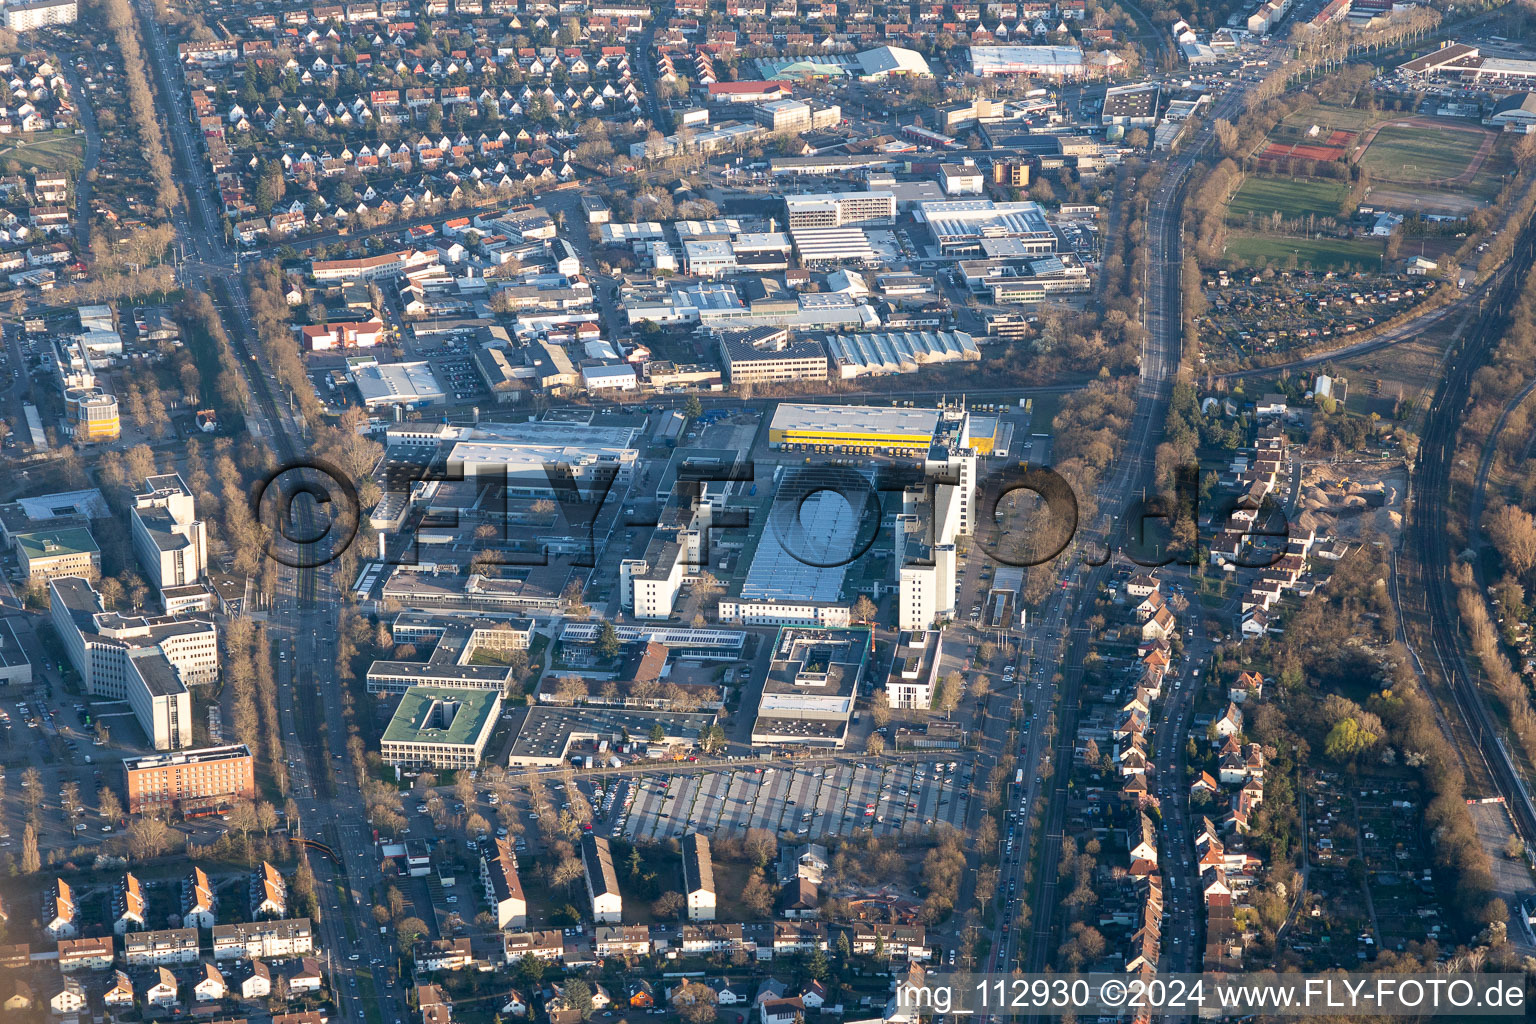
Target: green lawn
x=1330, y=116
x=1420, y=154
x=1322, y=253
x=1292, y=197
x=53, y=152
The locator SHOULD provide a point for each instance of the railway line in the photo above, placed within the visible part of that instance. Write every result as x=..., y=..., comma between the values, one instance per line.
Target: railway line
x=1430, y=545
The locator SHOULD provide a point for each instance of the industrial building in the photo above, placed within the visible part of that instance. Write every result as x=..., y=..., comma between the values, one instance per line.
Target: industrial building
x=412, y=385
x=958, y=226
x=1056, y=62
x=853, y=429
x=888, y=352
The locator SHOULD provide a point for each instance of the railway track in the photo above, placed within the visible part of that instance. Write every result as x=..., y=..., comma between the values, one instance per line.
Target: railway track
x=1430, y=545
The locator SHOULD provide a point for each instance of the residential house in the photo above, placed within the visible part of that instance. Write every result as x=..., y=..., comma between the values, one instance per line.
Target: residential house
x=699, y=877
x=163, y=990
x=85, y=954
x=503, y=889
x=128, y=906
x=258, y=983
x=269, y=893
x=210, y=987
x=119, y=995
x=602, y=880
x=621, y=940
x=197, y=902
x=67, y=997
x=307, y=976
x=60, y=915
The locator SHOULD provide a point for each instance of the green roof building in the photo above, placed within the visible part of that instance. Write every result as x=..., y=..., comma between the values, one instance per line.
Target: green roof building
x=69, y=551
x=440, y=726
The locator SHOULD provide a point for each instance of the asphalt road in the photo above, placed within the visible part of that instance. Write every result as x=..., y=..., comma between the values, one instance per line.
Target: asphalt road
x=305, y=611
x=1060, y=627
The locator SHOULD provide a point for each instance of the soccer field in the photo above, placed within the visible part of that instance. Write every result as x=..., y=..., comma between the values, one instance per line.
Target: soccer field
x=1320, y=253
x=1292, y=197
x=1400, y=153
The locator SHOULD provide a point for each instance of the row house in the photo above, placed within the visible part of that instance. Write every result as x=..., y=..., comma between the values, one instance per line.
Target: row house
x=716, y=937
x=252, y=940
x=86, y=954
x=546, y=945
x=621, y=940
x=167, y=946
x=797, y=937
x=899, y=941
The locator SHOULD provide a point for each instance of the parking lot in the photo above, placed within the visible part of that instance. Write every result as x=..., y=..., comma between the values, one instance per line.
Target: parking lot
x=812, y=802
x=459, y=377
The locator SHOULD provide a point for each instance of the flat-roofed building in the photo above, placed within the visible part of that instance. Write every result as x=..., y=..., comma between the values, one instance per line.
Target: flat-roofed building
x=823, y=246
x=783, y=115
x=190, y=780
x=767, y=354
x=1058, y=62
x=149, y=661
x=915, y=670
x=440, y=727
x=863, y=429
x=45, y=554
x=33, y=14
x=812, y=681
x=15, y=666
x=1132, y=106
x=840, y=209
x=170, y=541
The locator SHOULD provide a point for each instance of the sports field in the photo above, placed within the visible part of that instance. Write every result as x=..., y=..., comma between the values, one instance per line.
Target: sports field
x=1292, y=197
x=1419, y=153
x=1246, y=249
x=55, y=152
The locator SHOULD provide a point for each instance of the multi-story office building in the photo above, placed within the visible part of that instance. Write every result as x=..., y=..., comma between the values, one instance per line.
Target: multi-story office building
x=190, y=779
x=146, y=660
x=170, y=541
x=841, y=209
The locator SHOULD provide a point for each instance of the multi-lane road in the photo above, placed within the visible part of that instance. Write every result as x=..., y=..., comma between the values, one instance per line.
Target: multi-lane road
x=1060, y=628
x=304, y=617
